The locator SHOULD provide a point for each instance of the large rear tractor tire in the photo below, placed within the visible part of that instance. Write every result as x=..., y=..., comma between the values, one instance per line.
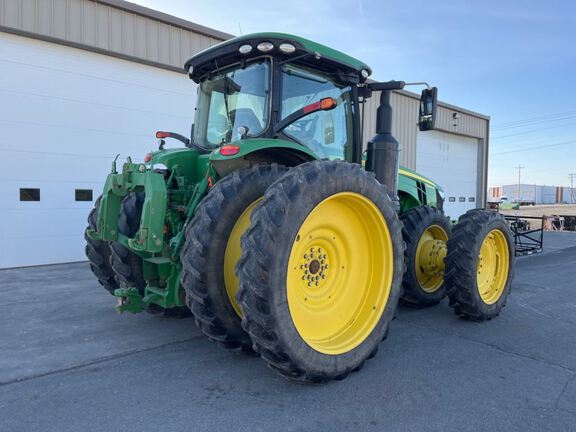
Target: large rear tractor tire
x=480, y=265
x=126, y=264
x=426, y=232
x=321, y=271
x=212, y=249
x=98, y=254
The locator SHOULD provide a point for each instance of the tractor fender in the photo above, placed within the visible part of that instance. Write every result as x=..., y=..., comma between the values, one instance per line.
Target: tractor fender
x=260, y=150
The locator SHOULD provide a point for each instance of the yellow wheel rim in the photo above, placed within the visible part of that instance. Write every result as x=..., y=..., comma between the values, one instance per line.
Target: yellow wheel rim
x=430, y=254
x=340, y=273
x=493, y=266
x=232, y=255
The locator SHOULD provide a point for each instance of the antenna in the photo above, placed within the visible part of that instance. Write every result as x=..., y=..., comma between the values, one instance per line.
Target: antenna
x=240, y=28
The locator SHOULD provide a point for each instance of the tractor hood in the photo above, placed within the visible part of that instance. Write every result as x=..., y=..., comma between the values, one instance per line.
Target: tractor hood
x=280, y=45
x=414, y=175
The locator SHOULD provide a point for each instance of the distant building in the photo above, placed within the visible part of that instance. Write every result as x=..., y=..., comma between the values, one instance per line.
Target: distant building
x=536, y=194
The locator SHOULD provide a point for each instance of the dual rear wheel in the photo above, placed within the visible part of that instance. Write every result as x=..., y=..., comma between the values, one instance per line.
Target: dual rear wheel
x=319, y=271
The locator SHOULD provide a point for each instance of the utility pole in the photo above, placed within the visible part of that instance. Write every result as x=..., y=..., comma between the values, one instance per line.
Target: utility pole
x=571, y=176
x=519, y=168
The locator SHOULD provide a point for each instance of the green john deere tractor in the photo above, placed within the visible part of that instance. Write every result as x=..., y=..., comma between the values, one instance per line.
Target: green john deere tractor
x=274, y=227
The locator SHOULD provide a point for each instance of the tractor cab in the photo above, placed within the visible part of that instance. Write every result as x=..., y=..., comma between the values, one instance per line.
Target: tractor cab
x=277, y=86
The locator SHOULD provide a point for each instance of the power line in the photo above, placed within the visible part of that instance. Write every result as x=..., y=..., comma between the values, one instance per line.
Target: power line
x=534, y=148
x=532, y=131
x=530, y=123
x=546, y=116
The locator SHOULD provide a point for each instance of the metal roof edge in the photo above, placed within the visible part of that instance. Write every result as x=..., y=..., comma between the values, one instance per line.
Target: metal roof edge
x=166, y=18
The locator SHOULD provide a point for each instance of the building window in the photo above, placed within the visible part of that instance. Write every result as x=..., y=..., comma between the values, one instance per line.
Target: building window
x=83, y=194
x=29, y=194
x=471, y=199
x=452, y=199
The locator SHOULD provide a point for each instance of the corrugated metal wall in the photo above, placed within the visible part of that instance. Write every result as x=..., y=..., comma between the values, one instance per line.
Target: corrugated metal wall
x=101, y=27
x=405, y=123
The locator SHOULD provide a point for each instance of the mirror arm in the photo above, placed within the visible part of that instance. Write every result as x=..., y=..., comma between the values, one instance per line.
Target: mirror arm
x=385, y=86
x=419, y=83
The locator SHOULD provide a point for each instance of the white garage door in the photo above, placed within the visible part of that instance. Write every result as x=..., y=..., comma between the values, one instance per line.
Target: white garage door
x=64, y=114
x=451, y=161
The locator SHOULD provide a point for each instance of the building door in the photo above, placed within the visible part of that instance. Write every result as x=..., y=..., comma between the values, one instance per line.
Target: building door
x=451, y=161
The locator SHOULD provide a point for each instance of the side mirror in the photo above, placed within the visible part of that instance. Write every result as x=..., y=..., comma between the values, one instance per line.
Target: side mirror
x=427, y=116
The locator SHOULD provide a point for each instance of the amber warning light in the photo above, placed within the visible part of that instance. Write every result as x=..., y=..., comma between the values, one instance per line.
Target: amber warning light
x=322, y=105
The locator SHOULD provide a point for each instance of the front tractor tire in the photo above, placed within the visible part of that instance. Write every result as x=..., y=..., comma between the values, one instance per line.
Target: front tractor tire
x=212, y=249
x=98, y=254
x=426, y=231
x=321, y=271
x=480, y=265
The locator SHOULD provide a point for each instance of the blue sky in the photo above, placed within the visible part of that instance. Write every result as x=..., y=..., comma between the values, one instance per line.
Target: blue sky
x=512, y=60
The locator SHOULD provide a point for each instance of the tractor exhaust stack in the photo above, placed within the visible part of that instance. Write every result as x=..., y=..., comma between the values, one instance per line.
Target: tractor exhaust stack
x=383, y=149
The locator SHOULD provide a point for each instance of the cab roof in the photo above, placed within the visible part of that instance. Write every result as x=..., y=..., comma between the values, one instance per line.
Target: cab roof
x=313, y=54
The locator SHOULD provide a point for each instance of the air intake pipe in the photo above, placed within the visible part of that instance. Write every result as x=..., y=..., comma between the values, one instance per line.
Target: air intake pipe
x=383, y=149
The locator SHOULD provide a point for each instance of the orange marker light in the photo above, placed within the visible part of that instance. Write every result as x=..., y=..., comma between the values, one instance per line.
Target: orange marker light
x=327, y=103
x=161, y=134
x=148, y=157
x=229, y=150
x=322, y=105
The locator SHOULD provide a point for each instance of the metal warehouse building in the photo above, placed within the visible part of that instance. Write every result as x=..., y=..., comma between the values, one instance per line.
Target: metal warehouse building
x=537, y=194
x=84, y=80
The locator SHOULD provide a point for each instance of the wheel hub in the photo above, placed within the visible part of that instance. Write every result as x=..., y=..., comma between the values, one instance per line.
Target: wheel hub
x=433, y=254
x=430, y=254
x=314, y=266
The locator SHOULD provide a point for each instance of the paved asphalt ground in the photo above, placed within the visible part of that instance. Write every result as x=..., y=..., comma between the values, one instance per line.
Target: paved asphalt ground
x=68, y=362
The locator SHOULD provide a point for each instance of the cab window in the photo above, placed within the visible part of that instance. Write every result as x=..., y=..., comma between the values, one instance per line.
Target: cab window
x=327, y=133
